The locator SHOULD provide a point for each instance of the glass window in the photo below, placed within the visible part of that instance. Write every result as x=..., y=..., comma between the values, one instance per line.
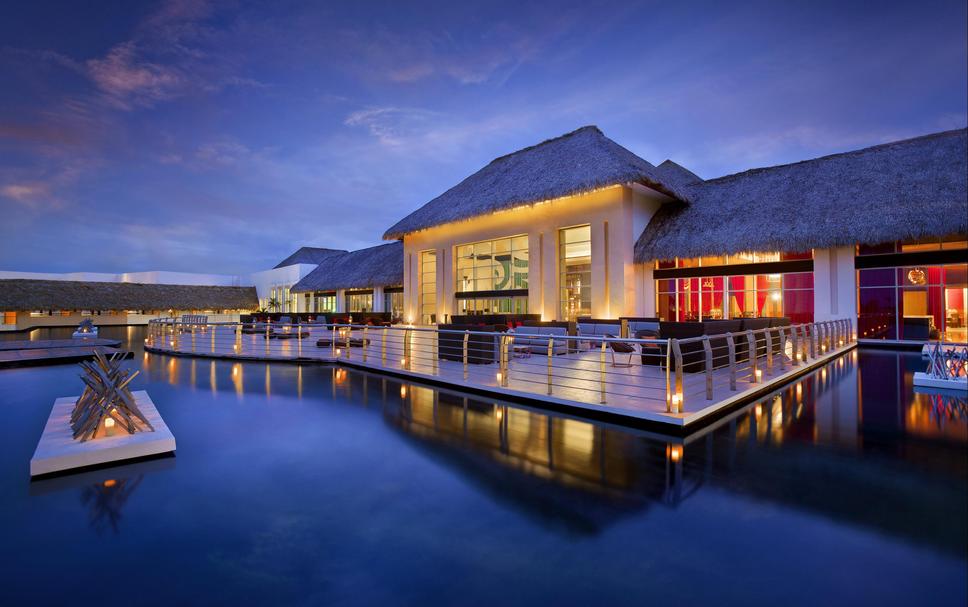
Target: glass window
x=428, y=287
x=9, y=318
x=575, y=263
x=500, y=265
x=721, y=297
x=359, y=302
x=913, y=303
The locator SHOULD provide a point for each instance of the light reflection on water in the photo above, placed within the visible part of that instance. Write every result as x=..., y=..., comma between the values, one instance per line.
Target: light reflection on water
x=847, y=457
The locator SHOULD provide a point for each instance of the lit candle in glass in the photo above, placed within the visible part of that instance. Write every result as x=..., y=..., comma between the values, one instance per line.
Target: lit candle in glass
x=109, y=426
x=759, y=375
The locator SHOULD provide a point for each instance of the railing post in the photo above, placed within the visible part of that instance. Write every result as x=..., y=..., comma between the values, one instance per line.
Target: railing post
x=803, y=342
x=213, y=327
x=298, y=337
x=364, y=342
x=349, y=333
x=707, y=349
x=678, y=396
x=467, y=335
x=238, y=338
x=174, y=333
x=783, y=344
x=406, y=348
x=504, y=360
x=769, y=351
x=435, y=336
x=383, y=346
x=601, y=367
x=193, y=338
x=751, y=344
x=813, y=341
x=551, y=349
x=731, y=346
x=668, y=372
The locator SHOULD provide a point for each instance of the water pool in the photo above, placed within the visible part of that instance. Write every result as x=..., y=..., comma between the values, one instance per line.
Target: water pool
x=314, y=485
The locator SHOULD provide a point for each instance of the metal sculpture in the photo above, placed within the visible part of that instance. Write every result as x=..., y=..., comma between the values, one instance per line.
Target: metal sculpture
x=107, y=401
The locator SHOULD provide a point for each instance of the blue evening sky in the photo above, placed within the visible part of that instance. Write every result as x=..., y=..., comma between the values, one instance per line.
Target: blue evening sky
x=208, y=136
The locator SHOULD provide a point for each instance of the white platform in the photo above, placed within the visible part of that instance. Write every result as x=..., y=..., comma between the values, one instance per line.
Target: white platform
x=58, y=451
x=923, y=380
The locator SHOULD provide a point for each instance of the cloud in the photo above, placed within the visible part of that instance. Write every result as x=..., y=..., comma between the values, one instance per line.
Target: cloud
x=392, y=125
x=129, y=80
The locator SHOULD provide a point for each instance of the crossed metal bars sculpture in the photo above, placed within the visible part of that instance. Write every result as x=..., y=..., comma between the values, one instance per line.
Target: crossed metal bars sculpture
x=106, y=396
x=947, y=364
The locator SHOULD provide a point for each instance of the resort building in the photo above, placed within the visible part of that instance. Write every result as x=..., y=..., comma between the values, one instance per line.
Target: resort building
x=356, y=282
x=274, y=286
x=578, y=226
x=28, y=303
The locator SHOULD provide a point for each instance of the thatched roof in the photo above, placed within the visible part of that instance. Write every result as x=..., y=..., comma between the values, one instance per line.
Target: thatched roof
x=310, y=255
x=577, y=162
x=379, y=266
x=908, y=189
x=22, y=295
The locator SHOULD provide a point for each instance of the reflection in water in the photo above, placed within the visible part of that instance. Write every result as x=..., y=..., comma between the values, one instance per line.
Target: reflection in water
x=104, y=492
x=106, y=499
x=788, y=447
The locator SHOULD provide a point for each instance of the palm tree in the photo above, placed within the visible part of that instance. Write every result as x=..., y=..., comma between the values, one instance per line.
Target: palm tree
x=273, y=304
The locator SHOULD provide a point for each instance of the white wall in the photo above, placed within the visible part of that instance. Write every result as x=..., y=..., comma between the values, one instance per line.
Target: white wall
x=285, y=276
x=834, y=284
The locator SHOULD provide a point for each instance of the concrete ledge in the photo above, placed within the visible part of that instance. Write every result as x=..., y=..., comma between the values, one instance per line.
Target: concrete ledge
x=57, y=450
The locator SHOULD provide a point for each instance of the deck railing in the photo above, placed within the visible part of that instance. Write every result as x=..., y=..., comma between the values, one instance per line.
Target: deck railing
x=671, y=375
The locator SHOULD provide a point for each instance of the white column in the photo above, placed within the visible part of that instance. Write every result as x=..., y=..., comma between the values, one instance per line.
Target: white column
x=535, y=284
x=834, y=284
x=341, y=300
x=550, y=310
x=644, y=290
x=445, y=285
x=409, y=287
x=378, y=299
x=600, y=270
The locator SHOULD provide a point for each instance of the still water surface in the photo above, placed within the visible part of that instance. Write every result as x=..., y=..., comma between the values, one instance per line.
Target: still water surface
x=310, y=485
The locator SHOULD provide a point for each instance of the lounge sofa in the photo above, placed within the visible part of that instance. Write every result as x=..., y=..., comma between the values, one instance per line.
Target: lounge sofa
x=589, y=328
x=537, y=337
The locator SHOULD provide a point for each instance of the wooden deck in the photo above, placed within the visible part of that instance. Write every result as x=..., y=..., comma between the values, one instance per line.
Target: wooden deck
x=576, y=383
x=23, y=353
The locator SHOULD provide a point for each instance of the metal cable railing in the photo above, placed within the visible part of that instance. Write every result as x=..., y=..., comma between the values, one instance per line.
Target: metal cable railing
x=670, y=375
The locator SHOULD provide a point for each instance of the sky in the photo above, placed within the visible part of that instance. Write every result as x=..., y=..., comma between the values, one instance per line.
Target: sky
x=221, y=136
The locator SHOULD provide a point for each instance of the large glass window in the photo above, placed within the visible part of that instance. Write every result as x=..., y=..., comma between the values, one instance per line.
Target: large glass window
x=325, y=301
x=751, y=296
x=493, y=265
x=359, y=301
x=9, y=318
x=428, y=287
x=575, y=263
x=913, y=303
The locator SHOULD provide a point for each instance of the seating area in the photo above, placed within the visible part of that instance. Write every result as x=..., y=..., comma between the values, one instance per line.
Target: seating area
x=693, y=356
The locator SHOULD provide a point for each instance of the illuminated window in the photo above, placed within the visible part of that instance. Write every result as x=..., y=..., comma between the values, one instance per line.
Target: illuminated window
x=493, y=265
x=325, y=301
x=361, y=301
x=428, y=287
x=9, y=318
x=393, y=303
x=575, y=262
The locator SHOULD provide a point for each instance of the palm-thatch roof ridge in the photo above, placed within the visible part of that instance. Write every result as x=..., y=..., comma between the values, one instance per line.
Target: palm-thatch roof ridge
x=576, y=162
x=309, y=255
x=27, y=294
x=379, y=266
x=910, y=189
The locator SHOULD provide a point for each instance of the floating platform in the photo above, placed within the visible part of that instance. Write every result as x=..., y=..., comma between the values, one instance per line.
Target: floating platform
x=23, y=353
x=57, y=450
x=923, y=380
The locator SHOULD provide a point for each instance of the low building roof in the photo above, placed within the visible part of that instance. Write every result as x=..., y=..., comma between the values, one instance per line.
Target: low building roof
x=576, y=162
x=22, y=295
x=310, y=255
x=379, y=266
x=910, y=189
